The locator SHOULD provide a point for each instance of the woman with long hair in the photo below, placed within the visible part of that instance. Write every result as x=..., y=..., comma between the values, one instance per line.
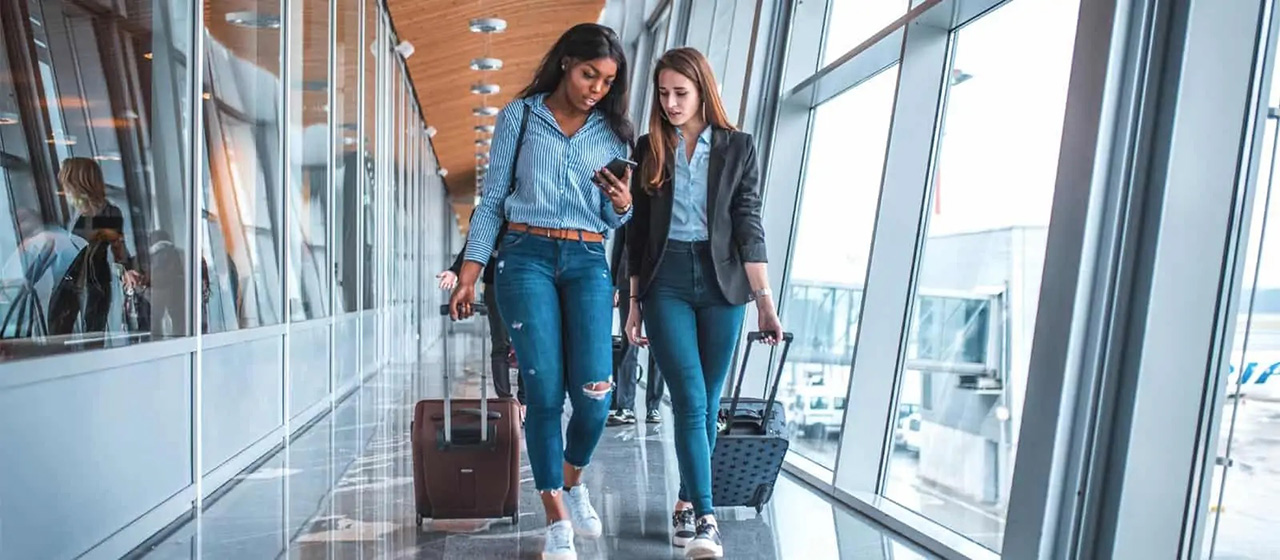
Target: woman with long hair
x=697, y=256
x=94, y=217
x=547, y=181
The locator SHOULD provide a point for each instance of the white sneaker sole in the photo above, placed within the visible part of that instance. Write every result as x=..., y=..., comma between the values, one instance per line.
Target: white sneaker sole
x=680, y=542
x=559, y=556
x=703, y=550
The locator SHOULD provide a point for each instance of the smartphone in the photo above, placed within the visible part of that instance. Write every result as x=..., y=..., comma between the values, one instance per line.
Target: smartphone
x=619, y=166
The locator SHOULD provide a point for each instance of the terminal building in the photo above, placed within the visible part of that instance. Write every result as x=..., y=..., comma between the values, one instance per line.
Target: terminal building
x=1024, y=247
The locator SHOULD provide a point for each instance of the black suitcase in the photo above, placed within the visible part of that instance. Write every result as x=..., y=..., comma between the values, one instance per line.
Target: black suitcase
x=752, y=441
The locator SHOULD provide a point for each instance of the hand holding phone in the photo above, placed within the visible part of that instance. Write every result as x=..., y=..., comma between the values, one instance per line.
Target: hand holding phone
x=614, y=180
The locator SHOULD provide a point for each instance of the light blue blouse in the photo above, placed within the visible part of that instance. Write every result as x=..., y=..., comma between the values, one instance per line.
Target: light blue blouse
x=689, y=209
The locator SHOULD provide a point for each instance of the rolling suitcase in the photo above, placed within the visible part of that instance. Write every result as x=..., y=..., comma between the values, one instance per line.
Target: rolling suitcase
x=466, y=454
x=752, y=441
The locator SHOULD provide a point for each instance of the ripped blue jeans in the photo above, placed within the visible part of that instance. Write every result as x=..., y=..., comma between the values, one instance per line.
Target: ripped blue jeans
x=556, y=298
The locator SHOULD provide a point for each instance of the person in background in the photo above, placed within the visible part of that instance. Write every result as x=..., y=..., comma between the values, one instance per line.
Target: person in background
x=553, y=281
x=627, y=372
x=500, y=343
x=696, y=257
x=93, y=217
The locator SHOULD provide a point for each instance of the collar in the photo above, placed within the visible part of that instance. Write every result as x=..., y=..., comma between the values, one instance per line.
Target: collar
x=704, y=138
x=539, y=101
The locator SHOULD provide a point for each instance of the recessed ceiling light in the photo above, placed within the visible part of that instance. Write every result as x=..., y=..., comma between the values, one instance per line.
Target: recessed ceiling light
x=8, y=118
x=431, y=132
x=254, y=20
x=485, y=111
x=488, y=25
x=485, y=89
x=484, y=129
x=486, y=63
x=442, y=172
x=483, y=142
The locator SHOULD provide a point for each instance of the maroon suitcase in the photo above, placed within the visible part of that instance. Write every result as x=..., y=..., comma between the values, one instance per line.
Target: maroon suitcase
x=466, y=455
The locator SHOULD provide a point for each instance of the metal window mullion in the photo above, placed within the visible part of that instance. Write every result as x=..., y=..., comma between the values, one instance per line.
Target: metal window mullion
x=291, y=11
x=195, y=285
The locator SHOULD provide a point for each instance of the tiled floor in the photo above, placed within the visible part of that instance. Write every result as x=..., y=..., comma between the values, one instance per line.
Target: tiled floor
x=325, y=497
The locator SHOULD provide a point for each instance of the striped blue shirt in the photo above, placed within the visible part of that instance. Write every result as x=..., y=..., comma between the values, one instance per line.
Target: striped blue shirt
x=553, y=178
x=689, y=206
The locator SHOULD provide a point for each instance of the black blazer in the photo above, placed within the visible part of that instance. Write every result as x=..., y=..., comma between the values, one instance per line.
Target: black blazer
x=736, y=235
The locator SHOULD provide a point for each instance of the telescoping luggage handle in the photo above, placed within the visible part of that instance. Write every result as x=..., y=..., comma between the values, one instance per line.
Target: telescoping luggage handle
x=479, y=309
x=771, y=393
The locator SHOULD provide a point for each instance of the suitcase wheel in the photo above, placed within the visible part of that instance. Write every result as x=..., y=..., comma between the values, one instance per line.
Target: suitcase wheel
x=419, y=521
x=515, y=518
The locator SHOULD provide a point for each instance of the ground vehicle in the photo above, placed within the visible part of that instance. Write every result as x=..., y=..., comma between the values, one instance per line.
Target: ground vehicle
x=816, y=412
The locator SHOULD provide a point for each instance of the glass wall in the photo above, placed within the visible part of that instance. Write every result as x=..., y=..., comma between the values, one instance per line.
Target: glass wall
x=346, y=171
x=823, y=300
x=969, y=341
x=213, y=217
x=309, y=133
x=1244, y=474
x=93, y=160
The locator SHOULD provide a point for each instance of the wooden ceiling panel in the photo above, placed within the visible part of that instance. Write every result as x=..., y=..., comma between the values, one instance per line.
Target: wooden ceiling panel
x=441, y=73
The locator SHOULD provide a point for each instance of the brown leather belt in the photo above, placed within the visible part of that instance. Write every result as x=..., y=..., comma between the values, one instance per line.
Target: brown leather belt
x=561, y=234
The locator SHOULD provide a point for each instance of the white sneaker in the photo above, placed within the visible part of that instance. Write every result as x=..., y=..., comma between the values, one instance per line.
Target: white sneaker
x=585, y=520
x=558, y=544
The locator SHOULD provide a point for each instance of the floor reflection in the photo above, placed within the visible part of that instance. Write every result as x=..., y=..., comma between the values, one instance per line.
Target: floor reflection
x=328, y=498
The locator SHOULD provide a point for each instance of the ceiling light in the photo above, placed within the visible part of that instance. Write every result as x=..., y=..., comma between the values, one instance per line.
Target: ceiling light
x=485, y=89
x=486, y=63
x=254, y=20
x=8, y=118
x=485, y=111
x=148, y=56
x=431, y=132
x=405, y=49
x=482, y=167
x=488, y=25
x=485, y=129
x=443, y=172
x=483, y=142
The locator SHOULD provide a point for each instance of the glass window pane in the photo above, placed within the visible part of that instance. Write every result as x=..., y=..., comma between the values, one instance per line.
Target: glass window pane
x=372, y=129
x=242, y=158
x=93, y=214
x=308, y=162
x=1244, y=478
x=346, y=175
x=974, y=313
x=824, y=296
x=851, y=22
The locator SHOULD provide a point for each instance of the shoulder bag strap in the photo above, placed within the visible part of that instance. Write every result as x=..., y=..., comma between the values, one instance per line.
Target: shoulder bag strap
x=524, y=124
x=511, y=187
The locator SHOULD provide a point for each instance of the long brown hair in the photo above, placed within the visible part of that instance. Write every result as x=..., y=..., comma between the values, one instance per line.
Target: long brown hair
x=82, y=182
x=662, y=135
